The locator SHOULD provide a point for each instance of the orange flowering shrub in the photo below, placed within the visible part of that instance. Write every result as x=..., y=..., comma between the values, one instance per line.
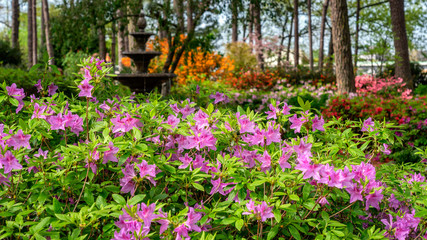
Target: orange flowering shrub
x=126, y=61
x=195, y=64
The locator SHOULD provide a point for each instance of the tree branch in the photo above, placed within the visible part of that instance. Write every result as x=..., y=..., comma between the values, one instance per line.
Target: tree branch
x=368, y=6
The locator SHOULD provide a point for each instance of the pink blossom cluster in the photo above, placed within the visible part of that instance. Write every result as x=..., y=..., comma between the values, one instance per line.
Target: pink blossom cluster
x=370, y=84
x=137, y=221
x=262, y=211
x=18, y=94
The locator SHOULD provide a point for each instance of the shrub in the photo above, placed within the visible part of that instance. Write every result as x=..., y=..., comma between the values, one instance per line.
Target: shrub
x=384, y=87
x=253, y=79
x=195, y=64
x=241, y=54
x=9, y=55
x=151, y=168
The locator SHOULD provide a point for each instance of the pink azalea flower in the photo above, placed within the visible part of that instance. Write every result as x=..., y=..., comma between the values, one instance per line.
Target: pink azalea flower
x=374, y=199
x=368, y=124
x=187, y=110
x=264, y=211
x=110, y=155
x=172, y=121
x=186, y=161
x=272, y=134
x=386, y=150
x=246, y=125
x=296, y=123
x=147, y=213
x=19, y=140
x=318, y=123
x=164, y=222
x=146, y=170
x=52, y=89
x=181, y=232
x=85, y=87
x=9, y=162
x=283, y=161
x=38, y=111
x=323, y=201
x=38, y=85
x=265, y=161
x=192, y=219
x=201, y=119
x=56, y=122
x=127, y=182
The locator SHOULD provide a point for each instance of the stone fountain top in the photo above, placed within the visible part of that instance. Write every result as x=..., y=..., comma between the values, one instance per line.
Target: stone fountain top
x=142, y=81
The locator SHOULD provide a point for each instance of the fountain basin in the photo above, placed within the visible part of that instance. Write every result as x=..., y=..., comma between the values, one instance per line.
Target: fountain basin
x=141, y=39
x=144, y=82
x=142, y=59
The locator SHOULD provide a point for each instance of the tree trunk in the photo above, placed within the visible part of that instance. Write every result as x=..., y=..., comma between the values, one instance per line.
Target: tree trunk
x=342, y=47
x=113, y=43
x=101, y=43
x=296, y=44
x=402, y=64
x=30, y=33
x=322, y=33
x=190, y=23
x=234, y=20
x=251, y=25
x=330, y=53
x=258, y=34
x=46, y=20
x=34, y=12
x=120, y=40
x=131, y=28
x=356, y=37
x=310, y=36
x=15, y=23
x=179, y=9
x=288, y=51
x=42, y=32
x=282, y=39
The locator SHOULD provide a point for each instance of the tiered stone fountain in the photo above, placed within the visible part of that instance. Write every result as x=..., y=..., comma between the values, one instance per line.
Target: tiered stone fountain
x=142, y=81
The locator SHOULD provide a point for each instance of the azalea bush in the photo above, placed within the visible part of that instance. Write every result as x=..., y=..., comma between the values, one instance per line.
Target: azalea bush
x=385, y=87
x=195, y=64
x=147, y=168
x=409, y=116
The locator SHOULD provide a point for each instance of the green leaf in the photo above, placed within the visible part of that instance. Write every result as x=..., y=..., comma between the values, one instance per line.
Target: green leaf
x=56, y=206
x=300, y=102
x=88, y=197
x=228, y=221
x=14, y=102
x=101, y=202
x=136, y=199
x=169, y=168
x=210, y=108
x=338, y=233
x=123, y=158
x=75, y=234
x=294, y=197
x=239, y=224
x=325, y=216
x=37, y=228
x=294, y=232
x=160, y=197
x=198, y=187
x=273, y=232
x=63, y=217
x=277, y=215
x=119, y=199
x=141, y=147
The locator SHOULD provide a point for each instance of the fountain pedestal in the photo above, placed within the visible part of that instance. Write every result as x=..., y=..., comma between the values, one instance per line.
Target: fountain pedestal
x=142, y=81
